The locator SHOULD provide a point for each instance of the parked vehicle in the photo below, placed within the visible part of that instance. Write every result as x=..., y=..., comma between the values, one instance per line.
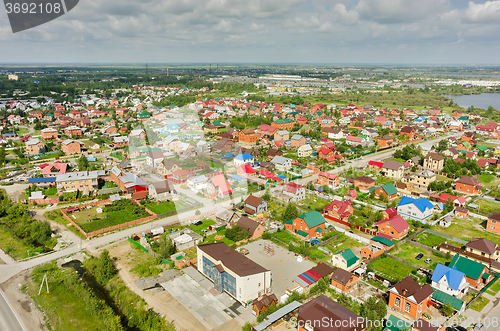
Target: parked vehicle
x=428, y=261
x=419, y=256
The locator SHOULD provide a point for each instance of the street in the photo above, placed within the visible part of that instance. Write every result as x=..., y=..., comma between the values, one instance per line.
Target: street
x=8, y=318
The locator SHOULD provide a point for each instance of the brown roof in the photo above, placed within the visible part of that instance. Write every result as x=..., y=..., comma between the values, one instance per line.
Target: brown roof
x=434, y=156
x=252, y=200
x=407, y=129
x=386, y=137
x=422, y=325
x=392, y=164
x=169, y=164
x=410, y=287
x=401, y=186
x=323, y=269
x=156, y=154
x=495, y=217
x=469, y=180
x=365, y=179
x=341, y=276
x=163, y=186
x=462, y=209
x=265, y=301
x=483, y=245
x=323, y=307
x=231, y=259
x=272, y=152
x=248, y=224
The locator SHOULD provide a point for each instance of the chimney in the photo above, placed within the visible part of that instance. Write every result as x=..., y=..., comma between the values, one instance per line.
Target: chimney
x=405, y=291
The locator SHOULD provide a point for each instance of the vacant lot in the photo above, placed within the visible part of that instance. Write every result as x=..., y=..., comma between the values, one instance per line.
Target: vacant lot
x=120, y=212
x=488, y=207
x=390, y=268
x=160, y=208
x=466, y=229
x=408, y=252
x=431, y=240
x=13, y=246
x=489, y=180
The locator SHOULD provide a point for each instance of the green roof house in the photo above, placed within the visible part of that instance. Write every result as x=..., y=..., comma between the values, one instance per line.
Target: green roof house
x=396, y=324
x=473, y=270
x=345, y=259
x=307, y=226
x=482, y=148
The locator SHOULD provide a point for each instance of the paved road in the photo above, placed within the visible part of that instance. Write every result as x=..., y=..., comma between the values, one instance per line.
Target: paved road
x=8, y=318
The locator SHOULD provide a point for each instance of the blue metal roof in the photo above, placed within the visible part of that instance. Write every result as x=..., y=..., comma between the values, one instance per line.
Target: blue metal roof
x=453, y=276
x=244, y=156
x=41, y=180
x=281, y=176
x=422, y=204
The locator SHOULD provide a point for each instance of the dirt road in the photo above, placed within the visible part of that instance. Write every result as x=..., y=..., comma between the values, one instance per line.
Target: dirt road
x=23, y=304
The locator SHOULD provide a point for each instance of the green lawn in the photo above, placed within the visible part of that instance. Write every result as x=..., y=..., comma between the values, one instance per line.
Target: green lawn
x=89, y=220
x=312, y=202
x=390, y=268
x=494, y=289
x=51, y=191
x=343, y=243
x=408, y=252
x=285, y=236
x=204, y=226
x=479, y=304
x=489, y=180
x=162, y=207
x=431, y=240
x=488, y=207
x=466, y=229
x=443, y=178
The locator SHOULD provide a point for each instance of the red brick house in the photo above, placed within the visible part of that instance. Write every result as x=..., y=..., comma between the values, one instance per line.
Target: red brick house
x=73, y=131
x=328, y=179
x=408, y=132
x=364, y=183
x=386, y=140
x=409, y=297
x=343, y=280
x=493, y=224
x=307, y=226
x=248, y=136
x=339, y=210
x=49, y=133
x=468, y=185
x=395, y=227
x=71, y=146
x=261, y=304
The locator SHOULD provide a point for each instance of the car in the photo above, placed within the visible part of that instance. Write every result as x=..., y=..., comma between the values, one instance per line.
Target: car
x=197, y=223
x=428, y=261
x=478, y=326
x=50, y=205
x=204, y=231
x=460, y=328
x=419, y=256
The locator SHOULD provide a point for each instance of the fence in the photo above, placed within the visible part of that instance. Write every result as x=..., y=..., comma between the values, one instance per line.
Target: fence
x=352, y=235
x=446, y=236
x=111, y=228
x=359, y=228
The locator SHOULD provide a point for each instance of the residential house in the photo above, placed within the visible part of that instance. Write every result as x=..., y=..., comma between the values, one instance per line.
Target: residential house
x=262, y=303
x=243, y=159
x=83, y=181
x=339, y=210
x=476, y=273
x=73, y=131
x=384, y=141
x=393, y=169
x=54, y=169
x=451, y=153
x=304, y=151
x=219, y=187
x=69, y=146
x=282, y=163
x=364, y=183
x=483, y=247
x=461, y=212
x=386, y=192
x=255, y=205
x=328, y=179
x=297, y=141
x=162, y=190
x=49, y=133
x=307, y=280
x=395, y=227
x=408, y=132
x=378, y=245
x=129, y=183
x=307, y=226
x=283, y=124
x=345, y=259
x=449, y=280
x=254, y=229
x=468, y=185
x=272, y=152
x=294, y=192
x=311, y=316
x=154, y=157
x=35, y=146
x=418, y=209
x=343, y=280
x=410, y=297
x=120, y=141
x=232, y=272
x=223, y=145
x=434, y=161
x=493, y=224
x=167, y=167
x=456, y=125
x=422, y=179
x=282, y=135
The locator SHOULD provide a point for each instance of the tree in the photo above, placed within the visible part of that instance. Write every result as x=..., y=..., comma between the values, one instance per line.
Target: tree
x=237, y=233
x=83, y=163
x=197, y=212
x=165, y=246
x=266, y=196
x=247, y=327
x=447, y=309
x=290, y=212
x=443, y=144
x=105, y=270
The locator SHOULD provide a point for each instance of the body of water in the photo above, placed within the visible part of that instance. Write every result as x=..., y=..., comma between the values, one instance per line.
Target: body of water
x=483, y=100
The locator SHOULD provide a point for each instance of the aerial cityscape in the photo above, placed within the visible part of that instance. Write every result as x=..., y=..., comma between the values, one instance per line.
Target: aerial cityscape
x=250, y=166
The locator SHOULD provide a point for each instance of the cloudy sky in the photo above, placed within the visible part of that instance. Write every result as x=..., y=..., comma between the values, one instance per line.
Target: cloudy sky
x=262, y=31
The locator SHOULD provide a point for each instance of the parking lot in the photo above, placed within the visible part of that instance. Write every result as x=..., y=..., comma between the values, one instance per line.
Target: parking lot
x=282, y=263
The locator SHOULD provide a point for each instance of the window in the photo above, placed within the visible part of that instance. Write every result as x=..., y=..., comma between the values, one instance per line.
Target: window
x=492, y=227
x=407, y=307
x=397, y=302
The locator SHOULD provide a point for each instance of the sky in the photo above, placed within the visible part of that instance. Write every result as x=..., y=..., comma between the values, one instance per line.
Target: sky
x=262, y=31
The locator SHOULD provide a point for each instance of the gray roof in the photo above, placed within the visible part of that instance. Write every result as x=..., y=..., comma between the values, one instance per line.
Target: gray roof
x=296, y=137
x=271, y=318
x=80, y=175
x=278, y=159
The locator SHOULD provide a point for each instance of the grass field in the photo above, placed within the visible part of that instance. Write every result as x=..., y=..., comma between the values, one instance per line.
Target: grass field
x=204, y=226
x=466, y=229
x=89, y=220
x=162, y=207
x=489, y=180
x=344, y=243
x=408, y=252
x=13, y=246
x=285, y=236
x=390, y=268
x=431, y=240
x=488, y=207
x=443, y=178
x=479, y=304
x=312, y=202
